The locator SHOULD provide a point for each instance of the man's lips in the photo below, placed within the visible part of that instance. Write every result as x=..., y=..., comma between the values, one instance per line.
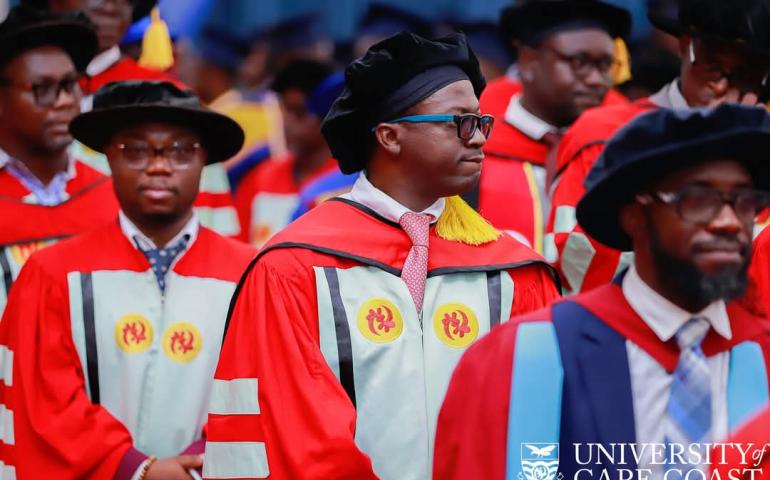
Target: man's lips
x=474, y=159
x=157, y=192
x=725, y=252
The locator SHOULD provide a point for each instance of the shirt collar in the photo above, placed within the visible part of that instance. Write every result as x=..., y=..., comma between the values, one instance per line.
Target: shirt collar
x=103, y=61
x=372, y=197
x=140, y=241
x=6, y=159
x=670, y=96
x=665, y=318
x=530, y=125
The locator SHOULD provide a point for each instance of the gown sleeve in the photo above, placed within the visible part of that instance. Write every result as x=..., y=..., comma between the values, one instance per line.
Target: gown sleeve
x=54, y=430
x=277, y=409
x=582, y=262
x=534, y=288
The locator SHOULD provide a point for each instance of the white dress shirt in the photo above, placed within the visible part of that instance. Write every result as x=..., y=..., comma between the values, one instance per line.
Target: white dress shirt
x=650, y=383
x=104, y=60
x=368, y=195
x=142, y=242
x=530, y=125
x=670, y=96
x=51, y=194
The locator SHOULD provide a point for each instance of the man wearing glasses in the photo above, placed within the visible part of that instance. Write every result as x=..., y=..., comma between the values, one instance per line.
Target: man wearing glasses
x=725, y=53
x=565, y=63
x=45, y=192
x=661, y=360
x=345, y=330
x=110, y=339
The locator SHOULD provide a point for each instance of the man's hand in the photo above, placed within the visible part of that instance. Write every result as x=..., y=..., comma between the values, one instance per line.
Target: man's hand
x=736, y=96
x=174, y=468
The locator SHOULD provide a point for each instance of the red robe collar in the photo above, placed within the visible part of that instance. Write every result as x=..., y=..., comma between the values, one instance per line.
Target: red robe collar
x=609, y=304
x=347, y=229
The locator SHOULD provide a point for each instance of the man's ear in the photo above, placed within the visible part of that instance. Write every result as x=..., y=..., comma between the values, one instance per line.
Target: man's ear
x=632, y=220
x=527, y=59
x=684, y=46
x=389, y=137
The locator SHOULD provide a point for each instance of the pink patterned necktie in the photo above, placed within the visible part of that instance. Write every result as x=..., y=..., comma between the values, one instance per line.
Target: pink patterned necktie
x=415, y=270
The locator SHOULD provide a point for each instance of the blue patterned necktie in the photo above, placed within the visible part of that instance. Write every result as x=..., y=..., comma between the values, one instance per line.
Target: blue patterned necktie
x=161, y=259
x=688, y=416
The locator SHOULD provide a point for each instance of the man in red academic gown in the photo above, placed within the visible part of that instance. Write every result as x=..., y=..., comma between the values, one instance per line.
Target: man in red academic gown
x=345, y=330
x=658, y=365
x=565, y=58
x=267, y=196
x=111, y=338
x=46, y=193
x=725, y=58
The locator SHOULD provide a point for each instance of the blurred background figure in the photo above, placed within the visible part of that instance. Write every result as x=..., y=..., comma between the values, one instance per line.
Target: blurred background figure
x=299, y=37
x=269, y=195
x=566, y=51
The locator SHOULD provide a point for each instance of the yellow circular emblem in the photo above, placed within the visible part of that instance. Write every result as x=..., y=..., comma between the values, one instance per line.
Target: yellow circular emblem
x=182, y=342
x=133, y=333
x=21, y=252
x=379, y=320
x=456, y=325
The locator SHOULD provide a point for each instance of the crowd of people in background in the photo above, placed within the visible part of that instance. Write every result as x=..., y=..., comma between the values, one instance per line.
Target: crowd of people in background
x=406, y=257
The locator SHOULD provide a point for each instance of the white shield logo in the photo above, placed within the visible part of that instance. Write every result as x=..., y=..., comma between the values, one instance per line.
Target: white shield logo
x=539, y=461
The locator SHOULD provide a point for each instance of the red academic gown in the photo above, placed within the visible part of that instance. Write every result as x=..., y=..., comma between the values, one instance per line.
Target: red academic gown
x=583, y=263
x=98, y=368
x=344, y=376
x=27, y=227
x=757, y=297
x=755, y=463
x=562, y=377
x=512, y=191
x=268, y=196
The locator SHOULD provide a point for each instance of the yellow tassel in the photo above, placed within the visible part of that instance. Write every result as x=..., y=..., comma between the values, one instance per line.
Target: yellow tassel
x=621, y=69
x=461, y=223
x=157, y=52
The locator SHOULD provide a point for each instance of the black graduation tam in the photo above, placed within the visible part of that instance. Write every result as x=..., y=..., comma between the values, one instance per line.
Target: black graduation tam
x=663, y=141
x=119, y=105
x=531, y=21
x=741, y=21
x=381, y=84
x=26, y=28
x=221, y=48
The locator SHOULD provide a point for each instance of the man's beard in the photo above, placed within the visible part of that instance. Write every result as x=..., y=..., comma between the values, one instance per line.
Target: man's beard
x=697, y=287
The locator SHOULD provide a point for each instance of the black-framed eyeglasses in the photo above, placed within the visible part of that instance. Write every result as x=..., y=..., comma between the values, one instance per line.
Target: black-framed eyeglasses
x=180, y=156
x=583, y=64
x=745, y=77
x=467, y=123
x=701, y=205
x=46, y=93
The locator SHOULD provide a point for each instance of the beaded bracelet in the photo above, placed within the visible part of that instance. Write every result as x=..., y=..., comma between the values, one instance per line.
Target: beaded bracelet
x=146, y=468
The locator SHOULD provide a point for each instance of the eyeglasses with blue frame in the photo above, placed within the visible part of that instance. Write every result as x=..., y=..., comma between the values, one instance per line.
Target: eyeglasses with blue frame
x=467, y=123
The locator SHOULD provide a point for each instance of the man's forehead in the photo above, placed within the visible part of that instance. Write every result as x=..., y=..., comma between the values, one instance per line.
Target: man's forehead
x=720, y=171
x=44, y=60
x=458, y=96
